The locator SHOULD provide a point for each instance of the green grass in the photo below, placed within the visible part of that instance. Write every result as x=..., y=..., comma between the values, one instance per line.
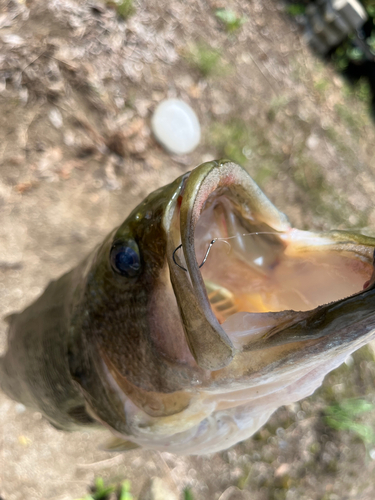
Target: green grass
x=231, y=140
x=295, y=9
x=345, y=416
x=203, y=58
x=276, y=105
x=102, y=492
x=322, y=84
x=124, y=8
x=230, y=19
x=125, y=491
x=320, y=196
x=360, y=90
x=248, y=146
x=188, y=495
x=351, y=120
x=236, y=140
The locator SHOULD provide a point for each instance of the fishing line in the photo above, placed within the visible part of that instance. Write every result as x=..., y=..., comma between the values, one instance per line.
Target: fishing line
x=251, y=234
x=224, y=240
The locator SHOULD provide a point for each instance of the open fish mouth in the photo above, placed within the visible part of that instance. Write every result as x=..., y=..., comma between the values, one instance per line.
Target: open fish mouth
x=241, y=269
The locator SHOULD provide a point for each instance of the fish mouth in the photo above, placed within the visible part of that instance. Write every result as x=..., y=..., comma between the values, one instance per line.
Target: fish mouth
x=234, y=260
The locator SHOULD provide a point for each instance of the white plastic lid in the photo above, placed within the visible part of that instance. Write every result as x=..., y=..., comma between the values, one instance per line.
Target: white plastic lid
x=176, y=126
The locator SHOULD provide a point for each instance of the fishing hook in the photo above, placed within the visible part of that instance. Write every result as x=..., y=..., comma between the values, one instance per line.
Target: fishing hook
x=204, y=258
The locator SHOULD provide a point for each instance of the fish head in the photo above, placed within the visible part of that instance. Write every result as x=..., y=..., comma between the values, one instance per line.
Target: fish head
x=126, y=330
x=206, y=302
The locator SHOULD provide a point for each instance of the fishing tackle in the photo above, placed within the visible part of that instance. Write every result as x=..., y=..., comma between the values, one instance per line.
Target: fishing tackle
x=225, y=241
x=204, y=258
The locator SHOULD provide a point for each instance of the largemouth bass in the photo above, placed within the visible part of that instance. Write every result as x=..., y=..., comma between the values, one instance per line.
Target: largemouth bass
x=194, y=320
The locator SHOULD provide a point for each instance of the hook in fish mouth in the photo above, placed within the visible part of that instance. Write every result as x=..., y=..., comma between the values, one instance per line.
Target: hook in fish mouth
x=271, y=268
x=204, y=258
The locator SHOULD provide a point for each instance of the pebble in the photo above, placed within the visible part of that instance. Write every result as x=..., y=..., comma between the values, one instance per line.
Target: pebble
x=20, y=408
x=12, y=39
x=55, y=118
x=176, y=126
x=312, y=142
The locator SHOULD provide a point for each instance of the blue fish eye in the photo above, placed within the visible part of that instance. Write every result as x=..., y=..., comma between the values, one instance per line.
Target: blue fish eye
x=125, y=258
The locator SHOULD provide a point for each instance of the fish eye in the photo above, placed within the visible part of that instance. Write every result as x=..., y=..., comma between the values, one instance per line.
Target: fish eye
x=125, y=258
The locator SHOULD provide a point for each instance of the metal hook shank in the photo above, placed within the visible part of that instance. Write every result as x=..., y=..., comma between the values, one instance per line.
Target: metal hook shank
x=204, y=258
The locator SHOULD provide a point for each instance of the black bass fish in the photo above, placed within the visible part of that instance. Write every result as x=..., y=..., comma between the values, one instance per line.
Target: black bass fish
x=194, y=320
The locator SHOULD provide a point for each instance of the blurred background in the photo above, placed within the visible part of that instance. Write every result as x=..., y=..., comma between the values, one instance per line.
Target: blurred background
x=79, y=83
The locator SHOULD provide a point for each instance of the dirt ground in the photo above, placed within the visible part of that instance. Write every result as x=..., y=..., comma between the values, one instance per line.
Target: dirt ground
x=78, y=85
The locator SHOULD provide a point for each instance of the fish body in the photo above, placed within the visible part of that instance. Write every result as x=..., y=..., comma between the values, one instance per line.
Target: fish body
x=194, y=320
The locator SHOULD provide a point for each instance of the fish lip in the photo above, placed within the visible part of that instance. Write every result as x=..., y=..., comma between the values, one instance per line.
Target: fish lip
x=207, y=340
